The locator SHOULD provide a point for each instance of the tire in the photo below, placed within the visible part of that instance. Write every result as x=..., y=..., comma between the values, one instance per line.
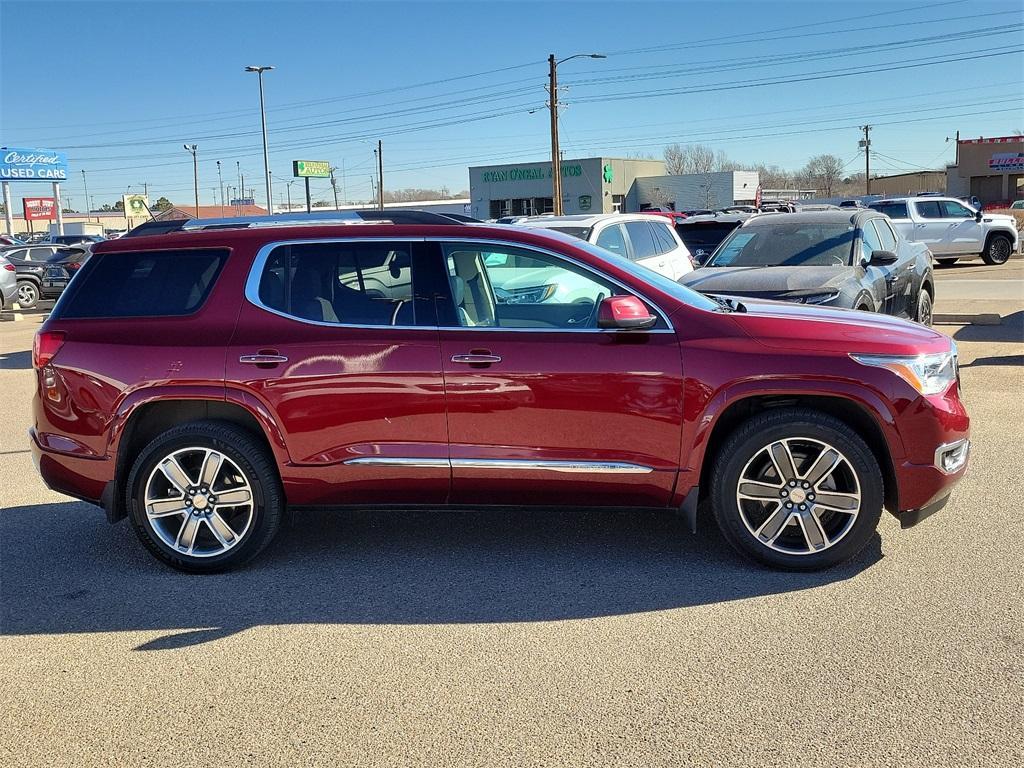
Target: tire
x=998, y=250
x=28, y=294
x=787, y=538
x=186, y=530
x=924, y=307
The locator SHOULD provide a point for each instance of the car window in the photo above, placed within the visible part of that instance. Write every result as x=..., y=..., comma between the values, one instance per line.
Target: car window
x=341, y=282
x=885, y=234
x=642, y=238
x=870, y=242
x=146, y=284
x=508, y=287
x=581, y=232
x=892, y=210
x=783, y=244
x=611, y=239
x=954, y=210
x=663, y=237
x=929, y=209
x=21, y=255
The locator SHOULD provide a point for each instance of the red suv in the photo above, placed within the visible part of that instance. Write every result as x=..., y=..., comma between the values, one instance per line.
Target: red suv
x=202, y=381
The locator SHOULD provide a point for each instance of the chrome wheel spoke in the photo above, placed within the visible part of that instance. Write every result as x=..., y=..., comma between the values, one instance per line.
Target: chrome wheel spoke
x=823, y=466
x=165, y=507
x=175, y=474
x=840, y=502
x=758, y=491
x=773, y=524
x=816, y=537
x=234, y=497
x=783, y=460
x=211, y=468
x=221, y=530
x=186, y=540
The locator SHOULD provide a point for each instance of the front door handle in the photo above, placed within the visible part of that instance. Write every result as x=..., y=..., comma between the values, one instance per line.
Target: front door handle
x=476, y=359
x=262, y=359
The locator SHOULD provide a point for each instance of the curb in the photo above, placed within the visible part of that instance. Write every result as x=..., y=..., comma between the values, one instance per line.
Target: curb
x=985, y=318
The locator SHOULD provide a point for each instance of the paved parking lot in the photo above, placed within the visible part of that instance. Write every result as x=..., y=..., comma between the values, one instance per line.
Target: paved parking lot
x=549, y=638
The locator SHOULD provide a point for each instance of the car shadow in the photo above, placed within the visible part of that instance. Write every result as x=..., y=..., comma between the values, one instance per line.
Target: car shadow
x=64, y=570
x=15, y=361
x=1010, y=328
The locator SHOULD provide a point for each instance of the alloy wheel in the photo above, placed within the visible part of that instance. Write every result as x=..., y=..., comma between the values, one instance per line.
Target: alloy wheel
x=999, y=250
x=798, y=496
x=198, y=502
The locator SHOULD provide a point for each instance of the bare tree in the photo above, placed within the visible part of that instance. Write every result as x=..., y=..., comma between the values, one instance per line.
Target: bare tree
x=825, y=171
x=691, y=158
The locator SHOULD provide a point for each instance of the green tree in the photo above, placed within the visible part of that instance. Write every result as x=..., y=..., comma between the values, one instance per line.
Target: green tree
x=162, y=204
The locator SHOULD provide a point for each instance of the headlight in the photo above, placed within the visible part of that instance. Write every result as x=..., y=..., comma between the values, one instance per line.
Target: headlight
x=819, y=298
x=928, y=374
x=532, y=295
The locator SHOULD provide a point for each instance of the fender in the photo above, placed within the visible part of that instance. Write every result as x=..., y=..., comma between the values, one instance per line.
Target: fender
x=733, y=392
x=145, y=395
x=265, y=418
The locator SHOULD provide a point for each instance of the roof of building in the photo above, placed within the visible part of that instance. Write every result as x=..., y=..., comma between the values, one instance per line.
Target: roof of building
x=995, y=140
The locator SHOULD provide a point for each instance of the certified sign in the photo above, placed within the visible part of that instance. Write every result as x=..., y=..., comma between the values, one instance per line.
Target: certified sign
x=135, y=206
x=39, y=208
x=32, y=165
x=317, y=169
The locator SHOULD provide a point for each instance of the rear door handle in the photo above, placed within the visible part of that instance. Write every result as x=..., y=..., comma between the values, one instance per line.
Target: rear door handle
x=262, y=359
x=476, y=359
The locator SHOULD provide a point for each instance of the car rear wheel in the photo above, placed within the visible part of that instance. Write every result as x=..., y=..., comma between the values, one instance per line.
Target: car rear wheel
x=998, y=250
x=28, y=294
x=796, y=489
x=205, y=497
x=924, y=308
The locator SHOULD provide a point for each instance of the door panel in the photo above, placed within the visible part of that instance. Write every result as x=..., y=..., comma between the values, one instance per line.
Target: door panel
x=963, y=234
x=930, y=226
x=557, y=415
x=354, y=402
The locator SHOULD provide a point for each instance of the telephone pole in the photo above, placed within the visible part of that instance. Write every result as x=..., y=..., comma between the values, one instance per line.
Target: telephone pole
x=866, y=143
x=334, y=186
x=556, y=165
x=88, y=212
x=195, y=171
x=380, y=174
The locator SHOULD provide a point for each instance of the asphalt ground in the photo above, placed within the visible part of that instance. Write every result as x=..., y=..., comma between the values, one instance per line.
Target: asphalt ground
x=549, y=638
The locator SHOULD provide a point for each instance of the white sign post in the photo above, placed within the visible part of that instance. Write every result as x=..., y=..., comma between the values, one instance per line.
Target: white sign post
x=59, y=207
x=8, y=214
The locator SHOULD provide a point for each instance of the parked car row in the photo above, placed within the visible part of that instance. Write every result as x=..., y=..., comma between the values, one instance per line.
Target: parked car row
x=202, y=381
x=43, y=271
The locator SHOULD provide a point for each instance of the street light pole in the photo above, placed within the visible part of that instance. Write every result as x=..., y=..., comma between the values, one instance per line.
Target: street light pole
x=380, y=173
x=556, y=164
x=263, y=119
x=220, y=179
x=88, y=212
x=195, y=171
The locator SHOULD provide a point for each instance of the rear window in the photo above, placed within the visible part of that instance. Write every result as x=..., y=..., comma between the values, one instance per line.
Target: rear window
x=144, y=284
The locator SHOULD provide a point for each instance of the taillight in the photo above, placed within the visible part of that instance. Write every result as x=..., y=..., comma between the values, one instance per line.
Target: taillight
x=73, y=265
x=9, y=267
x=45, y=345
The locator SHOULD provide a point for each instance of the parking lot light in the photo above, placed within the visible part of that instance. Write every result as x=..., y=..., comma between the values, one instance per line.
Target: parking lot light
x=259, y=70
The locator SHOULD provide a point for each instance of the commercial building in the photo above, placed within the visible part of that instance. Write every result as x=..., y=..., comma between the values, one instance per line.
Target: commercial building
x=990, y=169
x=913, y=183
x=690, y=191
x=589, y=185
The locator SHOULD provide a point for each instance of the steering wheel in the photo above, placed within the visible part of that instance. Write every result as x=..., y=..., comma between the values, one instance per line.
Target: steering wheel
x=592, y=318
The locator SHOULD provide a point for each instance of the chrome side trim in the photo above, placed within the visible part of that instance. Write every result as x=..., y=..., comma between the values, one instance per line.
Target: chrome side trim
x=572, y=467
x=396, y=461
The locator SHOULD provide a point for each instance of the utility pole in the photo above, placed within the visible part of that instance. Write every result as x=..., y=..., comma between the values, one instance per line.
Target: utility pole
x=556, y=165
x=380, y=174
x=334, y=186
x=866, y=143
x=88, y=212
x=263, y=119
x=220, y=180
x=238, y=189
x=288, y=184
x=195, y=171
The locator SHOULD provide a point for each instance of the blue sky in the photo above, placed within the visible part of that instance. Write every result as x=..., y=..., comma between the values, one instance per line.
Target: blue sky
x=121, y=86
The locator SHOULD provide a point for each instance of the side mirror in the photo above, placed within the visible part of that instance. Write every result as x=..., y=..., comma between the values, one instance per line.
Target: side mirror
x=624, y=312
x=977, y=216
x=882, y=258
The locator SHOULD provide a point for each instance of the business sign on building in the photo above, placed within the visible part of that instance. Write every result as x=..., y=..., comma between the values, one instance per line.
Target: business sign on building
x=18, y=164
x=39, y=208
x=315, y=169
x=135, y=206
x=1007, y=161
x=528, y=174
x=242, y=201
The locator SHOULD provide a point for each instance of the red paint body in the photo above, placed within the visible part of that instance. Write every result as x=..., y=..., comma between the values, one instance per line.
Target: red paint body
x=647, y=398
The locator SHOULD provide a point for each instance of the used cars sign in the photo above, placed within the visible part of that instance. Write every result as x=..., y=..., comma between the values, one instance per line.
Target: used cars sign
x=32, y=165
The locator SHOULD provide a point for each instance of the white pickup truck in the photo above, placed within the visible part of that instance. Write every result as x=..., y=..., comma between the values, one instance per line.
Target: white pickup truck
x=951, y=229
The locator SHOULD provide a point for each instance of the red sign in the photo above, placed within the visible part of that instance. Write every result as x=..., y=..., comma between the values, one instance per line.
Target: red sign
x=757, y=197
x=39, y=208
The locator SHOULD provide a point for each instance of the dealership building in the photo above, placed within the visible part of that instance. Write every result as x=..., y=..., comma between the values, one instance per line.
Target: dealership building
x=589, y=185
x=990, y=169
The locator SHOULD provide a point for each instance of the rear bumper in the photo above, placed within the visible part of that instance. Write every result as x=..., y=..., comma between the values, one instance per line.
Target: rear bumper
x=82, y=477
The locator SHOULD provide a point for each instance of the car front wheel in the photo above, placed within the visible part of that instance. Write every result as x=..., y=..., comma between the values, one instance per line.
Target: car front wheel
x=796, y=489
x=924, y=308
x=28, y=294
x=205, y=497
x=998, y=250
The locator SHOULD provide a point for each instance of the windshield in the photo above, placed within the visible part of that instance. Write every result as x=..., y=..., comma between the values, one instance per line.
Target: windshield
x=581, y=232
x=659, y=281
x=705, y=234
x=787, y=245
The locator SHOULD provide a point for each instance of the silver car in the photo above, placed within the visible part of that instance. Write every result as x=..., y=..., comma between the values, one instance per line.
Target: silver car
x=8, y=284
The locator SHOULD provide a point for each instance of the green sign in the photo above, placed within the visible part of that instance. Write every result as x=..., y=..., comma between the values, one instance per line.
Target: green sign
x=608, y=175
x=317, y=169
x=585, y=202
x=527, y=174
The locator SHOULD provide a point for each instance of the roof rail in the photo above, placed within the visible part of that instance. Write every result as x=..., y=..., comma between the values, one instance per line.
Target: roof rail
x=318, y=218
